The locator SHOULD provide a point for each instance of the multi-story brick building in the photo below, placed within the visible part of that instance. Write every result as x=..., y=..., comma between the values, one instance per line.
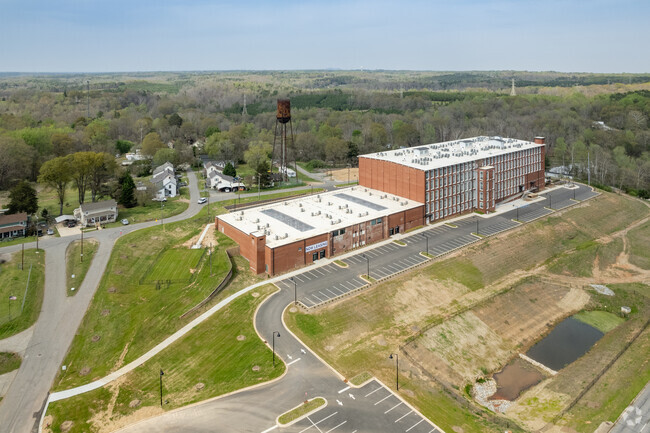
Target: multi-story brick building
x=458, y=176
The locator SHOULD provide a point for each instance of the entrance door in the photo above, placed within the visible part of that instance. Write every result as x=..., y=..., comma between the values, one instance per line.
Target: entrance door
x=314, y=256
x=322, y=254
x=391, y=232
x=397, y=229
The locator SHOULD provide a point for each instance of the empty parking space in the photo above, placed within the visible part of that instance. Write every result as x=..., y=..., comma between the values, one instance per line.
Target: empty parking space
x=444, y=247
x=497, y=227
x=532, y=214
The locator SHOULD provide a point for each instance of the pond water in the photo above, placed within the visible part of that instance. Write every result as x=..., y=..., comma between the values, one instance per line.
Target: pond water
x=515, y=378
x=568, y=341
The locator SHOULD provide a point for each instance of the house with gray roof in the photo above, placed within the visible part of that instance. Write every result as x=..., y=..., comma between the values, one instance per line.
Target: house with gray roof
x=167, y=167
x=100, y=212
x=165, y=184
x=12, y=226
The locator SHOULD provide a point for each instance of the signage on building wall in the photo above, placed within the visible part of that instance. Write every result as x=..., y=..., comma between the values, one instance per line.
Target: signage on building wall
x=317, y=246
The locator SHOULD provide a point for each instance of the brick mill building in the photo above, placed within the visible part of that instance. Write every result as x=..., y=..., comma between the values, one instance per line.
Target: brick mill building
x=398, y=190
x=458, y=176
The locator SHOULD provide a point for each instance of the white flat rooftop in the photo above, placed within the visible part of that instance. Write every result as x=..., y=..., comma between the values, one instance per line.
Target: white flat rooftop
x=305, y=217
x=448, y=153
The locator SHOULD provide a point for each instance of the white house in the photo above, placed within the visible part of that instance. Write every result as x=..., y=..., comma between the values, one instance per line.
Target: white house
x=165, y=184
x=137, y=156
x=96, y=213
x=224, y=183
x=166, y=167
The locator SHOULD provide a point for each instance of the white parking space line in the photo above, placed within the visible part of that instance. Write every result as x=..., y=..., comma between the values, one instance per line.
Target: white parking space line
x=314, y=295
x=403, y=416
x=388, y=396
x=380, y=272
x=344, y=389
x=338, y=290
x=306, y=275
x=318, y=271
x=347, y=285
x=373, y=391
x=335, y=427
x=398, y=404
x=333, y=294
x=315, y=424
x=323, y=295
x=294, y=361
x=270, y=429
x=414, y=425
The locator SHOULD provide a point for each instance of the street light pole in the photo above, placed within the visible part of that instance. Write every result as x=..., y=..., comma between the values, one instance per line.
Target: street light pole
x=427, y=239
x=273, y=340
x=210, y=259
x=162, y=219
x=162, y=373
x=396, y=368
x=477, y=232
x=82, y=244
x=36, y=231
x=367, y=265
x=295, y=291
x=22, y=257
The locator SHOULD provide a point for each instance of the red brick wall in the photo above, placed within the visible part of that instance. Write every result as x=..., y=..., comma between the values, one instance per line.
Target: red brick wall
x=250, y=247
x=392, y=178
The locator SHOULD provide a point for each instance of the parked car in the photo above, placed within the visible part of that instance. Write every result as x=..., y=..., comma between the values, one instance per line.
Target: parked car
x=159, y=199
x=125, y=222
x=72, y=224
x=202, y=200
x=50, y=232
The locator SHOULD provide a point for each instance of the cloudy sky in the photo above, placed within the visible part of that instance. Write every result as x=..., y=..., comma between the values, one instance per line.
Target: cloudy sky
x=154, y=35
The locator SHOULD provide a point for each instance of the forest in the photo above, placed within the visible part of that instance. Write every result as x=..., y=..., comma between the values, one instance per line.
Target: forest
x=593, y=123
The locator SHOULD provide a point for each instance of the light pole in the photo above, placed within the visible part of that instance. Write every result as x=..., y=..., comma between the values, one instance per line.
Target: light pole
x=11, y=298
x=426, y=237
x=210, y=255
x=81, y=229
x=367, y=265
x=162, y=373
x=348, y=174
x=36, y=231
x=477, y=232
x=162, y=220
x=22, y=257
x=295, y=291
x=396, y=368
x=273, y=340
x=550, y=202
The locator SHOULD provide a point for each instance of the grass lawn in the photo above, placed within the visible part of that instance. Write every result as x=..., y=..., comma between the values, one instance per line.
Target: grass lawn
x=175, y=264
x=580, y=261
x=192, y=371
x=125, y=318
x=639, y=239
x=601, y=320
x=301, y=410
x=13, y=282
x=74, y=265
x=150, y=212
x=9, y=361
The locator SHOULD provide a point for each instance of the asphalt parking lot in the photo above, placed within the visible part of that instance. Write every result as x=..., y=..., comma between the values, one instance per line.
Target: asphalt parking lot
x=371, y=408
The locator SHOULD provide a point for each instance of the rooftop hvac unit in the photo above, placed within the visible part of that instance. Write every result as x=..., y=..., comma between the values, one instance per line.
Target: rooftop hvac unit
x=365, y=190
x=332, y=222
x=257, y=220
x=286, y=203
x=329, y=203
x=259, y=227
x=241, y=213
x=370, y=194
x=276, y=237
x=359, y=215
x=299, y=204
x=302, y=209
x=268, y=225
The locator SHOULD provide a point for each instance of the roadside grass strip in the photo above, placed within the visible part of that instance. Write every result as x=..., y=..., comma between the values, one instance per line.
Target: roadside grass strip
x=299, y=412
x=193, y=371
x=9, y=361
x=361, y=378
x=21, y=291
x=75, y=267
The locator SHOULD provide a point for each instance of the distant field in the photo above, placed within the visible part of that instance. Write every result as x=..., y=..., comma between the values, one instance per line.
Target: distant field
x=175, y=264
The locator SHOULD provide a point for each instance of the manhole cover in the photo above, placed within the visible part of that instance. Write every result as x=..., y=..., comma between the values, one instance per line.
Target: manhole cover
x=199, y=386
x=256, y=368
x=84, y=371
x=96, y=338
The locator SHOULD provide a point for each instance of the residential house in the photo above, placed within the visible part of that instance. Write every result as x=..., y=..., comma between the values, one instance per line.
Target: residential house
x=100, y=212
x=14, y=225
x=224, y=183
x=165, y=184
x=166, y=167
x=164, y=181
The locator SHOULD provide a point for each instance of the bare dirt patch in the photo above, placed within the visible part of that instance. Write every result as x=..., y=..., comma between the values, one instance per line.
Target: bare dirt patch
x=105, y=312
x=515, y=378
x=199, y=386
x=207, y=240
x=66, y=426
x=241, y=337
x=96, y=338
x=112, y=289
x=256, y=368
x=84, y=371
x=341, y=175
x=135, y=403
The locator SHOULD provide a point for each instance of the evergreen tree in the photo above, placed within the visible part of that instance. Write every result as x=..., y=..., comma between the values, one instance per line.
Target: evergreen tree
x=229, y=170
x=23, y=199
x=127, y=194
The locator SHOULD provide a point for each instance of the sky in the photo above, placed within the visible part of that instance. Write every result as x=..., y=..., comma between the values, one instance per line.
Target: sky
x=439, y=35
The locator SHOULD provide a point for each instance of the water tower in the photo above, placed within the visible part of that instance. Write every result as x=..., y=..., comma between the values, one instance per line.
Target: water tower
x=282, y=118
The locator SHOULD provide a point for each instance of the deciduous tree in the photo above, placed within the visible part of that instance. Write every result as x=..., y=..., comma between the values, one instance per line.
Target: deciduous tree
x=23, y=198
x=56, y=173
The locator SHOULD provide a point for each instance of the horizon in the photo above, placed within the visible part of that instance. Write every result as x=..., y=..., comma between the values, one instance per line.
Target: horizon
x=73, y=36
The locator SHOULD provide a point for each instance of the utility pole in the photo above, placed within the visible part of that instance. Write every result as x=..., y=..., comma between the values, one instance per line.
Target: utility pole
x=22, y=258
x=162, y=373
x=588, y=171
x=82, y=243
x=210, y=254
x=88, y=99
x=162, y=220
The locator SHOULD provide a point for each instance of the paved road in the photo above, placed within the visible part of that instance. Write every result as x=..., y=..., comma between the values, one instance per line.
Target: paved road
x=59, y=319
x=636, y=417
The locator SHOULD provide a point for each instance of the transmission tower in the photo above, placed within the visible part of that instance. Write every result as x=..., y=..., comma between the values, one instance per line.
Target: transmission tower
x=244, y=112
x=513, y=92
